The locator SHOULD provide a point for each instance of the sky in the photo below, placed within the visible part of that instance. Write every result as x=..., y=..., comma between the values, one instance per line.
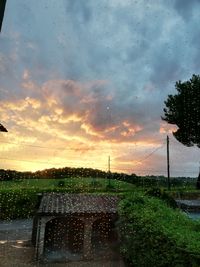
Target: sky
x=84, y=80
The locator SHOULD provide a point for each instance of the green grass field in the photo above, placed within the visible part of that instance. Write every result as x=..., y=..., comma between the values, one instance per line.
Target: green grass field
x=67, y=184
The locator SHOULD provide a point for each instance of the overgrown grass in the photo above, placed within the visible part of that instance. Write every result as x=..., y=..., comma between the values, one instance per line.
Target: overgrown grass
x=153, y=234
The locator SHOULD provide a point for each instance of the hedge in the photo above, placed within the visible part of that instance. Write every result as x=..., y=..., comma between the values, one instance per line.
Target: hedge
x=22, y=203
x=153, y=234
x=17, y=204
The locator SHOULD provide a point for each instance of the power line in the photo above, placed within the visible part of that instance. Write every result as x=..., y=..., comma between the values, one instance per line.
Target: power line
x=23, y=160
x=49, y=162
x=100, y=166
x=56, y=148
x=92, y=163
x=89, y=162
x=37, y=146
x=75, y=149
x=150, y=154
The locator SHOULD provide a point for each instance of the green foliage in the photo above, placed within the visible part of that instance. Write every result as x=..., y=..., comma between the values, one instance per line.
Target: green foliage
x=71, y=185
x=163, y=195
x=61, y=183
x=110, y=186
x=65, y=173
x=154, y=235
x=84, y=174
x=95, y=183
x=183, y=110
x=17, y=204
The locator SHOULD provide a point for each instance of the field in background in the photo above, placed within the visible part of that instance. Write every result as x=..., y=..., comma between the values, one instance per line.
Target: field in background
x=81, y=184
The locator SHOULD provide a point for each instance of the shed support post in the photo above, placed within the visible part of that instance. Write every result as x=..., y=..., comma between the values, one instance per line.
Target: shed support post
x=87, y=242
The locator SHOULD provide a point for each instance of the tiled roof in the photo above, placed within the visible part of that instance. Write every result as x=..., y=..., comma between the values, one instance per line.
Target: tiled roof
x=58, y=203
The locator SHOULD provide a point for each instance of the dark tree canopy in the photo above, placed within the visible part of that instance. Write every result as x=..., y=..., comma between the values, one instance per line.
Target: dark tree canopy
x=183, y=110
x=2, y=128
x=2, y=9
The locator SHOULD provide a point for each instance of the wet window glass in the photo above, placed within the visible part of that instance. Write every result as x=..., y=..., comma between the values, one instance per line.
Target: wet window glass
x=99, y=132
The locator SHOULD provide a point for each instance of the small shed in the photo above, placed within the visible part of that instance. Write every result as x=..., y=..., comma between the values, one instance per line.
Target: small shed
x=71, y=227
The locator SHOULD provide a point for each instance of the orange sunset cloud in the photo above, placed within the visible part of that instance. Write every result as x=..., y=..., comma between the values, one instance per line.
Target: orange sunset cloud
x=65, y=123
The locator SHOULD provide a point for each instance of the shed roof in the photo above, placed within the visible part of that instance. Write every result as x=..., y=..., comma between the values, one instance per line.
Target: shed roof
x=59, y=203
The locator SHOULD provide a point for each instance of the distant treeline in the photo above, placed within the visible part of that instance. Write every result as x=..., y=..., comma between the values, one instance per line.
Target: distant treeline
x=67, y=172
x=61, y=173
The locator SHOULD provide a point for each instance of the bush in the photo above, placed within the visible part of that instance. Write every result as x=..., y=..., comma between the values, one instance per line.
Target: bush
x=161, y=194
x=19, y=204
x=94, y=183
x=155, y=235
x=61, y=183
x=110, y=187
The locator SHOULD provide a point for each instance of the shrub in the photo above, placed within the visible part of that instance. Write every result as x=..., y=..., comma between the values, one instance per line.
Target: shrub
x=19, y=204
x=61, y=183
x=95, y=183
x=155, y=235
x=161, y=194
x=110, y=187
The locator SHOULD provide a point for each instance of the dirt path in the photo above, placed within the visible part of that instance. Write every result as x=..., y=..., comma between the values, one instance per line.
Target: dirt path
x=16, y=254
x=16, y=249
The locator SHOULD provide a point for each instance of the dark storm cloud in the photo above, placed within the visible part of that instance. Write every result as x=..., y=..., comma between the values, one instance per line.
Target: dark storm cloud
x=80, y=9
x=186, y=8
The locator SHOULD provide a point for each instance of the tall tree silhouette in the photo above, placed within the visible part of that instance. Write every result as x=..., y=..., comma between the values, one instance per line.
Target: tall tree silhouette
x=2, y=128
x=183, y=110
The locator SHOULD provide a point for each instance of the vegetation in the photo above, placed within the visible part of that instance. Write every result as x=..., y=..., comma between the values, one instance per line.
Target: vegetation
x=26, y=185
x=163, y=195
x=183, y=110
x=67, y=172
x=94, y=174
x=17, y=204
x=153, y=234
x=19, y=198
x=81, y=184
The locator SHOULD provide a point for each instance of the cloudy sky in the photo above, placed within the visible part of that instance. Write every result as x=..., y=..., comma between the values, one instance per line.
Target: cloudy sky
x=82, y=80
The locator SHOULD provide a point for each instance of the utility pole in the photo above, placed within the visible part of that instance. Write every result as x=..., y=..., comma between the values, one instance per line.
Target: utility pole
x=198, y=179
x=168, y=167
x=108, y=170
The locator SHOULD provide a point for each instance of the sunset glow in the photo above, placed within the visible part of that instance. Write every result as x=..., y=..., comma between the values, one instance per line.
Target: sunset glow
x=91, y=83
